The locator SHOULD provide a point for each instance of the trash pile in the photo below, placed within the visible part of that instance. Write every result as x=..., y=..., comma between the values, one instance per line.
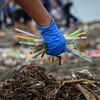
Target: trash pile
x=35, y=83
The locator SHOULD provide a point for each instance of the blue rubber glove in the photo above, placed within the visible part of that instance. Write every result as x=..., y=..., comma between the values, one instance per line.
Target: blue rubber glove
x=55, y=41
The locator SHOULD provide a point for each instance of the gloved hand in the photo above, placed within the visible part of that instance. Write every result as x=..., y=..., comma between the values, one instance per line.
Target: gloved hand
x=55, y=41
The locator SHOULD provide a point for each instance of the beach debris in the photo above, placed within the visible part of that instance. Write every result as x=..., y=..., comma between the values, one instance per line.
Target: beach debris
x=34, y=83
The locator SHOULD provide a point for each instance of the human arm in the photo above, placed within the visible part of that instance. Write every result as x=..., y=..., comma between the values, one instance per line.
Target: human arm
x=36, y=10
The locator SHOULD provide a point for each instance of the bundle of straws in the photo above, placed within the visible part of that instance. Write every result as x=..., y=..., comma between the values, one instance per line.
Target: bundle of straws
x=40, y=48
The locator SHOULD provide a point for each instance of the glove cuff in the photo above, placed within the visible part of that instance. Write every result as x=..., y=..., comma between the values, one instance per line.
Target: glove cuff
x=52, y=24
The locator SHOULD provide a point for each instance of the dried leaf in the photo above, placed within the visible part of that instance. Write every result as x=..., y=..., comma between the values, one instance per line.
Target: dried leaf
x=88, y=95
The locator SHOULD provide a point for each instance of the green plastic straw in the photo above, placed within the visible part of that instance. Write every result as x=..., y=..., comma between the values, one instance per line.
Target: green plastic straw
x=75, y=32
x=79, y=55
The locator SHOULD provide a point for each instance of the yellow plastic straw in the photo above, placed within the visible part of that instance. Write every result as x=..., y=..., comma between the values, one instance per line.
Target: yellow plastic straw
x=28, y=38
